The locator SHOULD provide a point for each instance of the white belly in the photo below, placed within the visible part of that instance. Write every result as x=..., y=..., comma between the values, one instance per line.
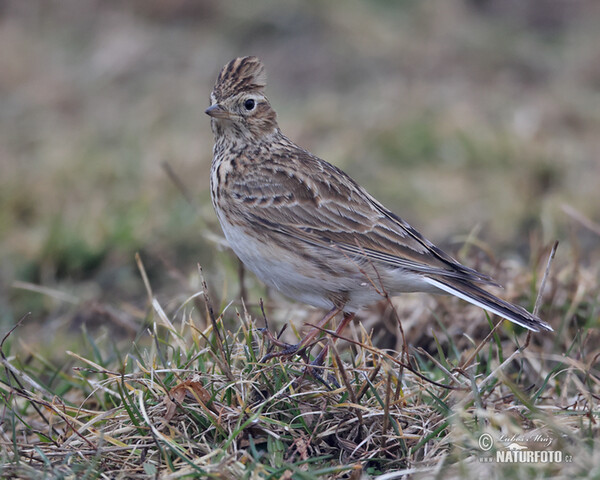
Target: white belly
x=299, y=278
x=276, y=267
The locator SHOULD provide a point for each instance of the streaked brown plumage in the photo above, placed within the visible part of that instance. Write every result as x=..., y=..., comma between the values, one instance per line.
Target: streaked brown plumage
x=306, y=228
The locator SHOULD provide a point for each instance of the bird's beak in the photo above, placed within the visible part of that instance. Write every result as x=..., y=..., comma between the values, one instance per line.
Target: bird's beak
x=217, y=111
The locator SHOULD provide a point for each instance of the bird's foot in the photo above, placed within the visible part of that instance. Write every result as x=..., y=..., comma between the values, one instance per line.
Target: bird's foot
x=314, y=369
x=287, y=349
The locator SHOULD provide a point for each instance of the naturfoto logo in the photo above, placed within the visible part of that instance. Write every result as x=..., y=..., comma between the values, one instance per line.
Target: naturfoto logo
x=517, y=449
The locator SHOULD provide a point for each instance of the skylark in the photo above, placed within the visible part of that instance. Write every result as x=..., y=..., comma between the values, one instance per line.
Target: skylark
x=307, y=229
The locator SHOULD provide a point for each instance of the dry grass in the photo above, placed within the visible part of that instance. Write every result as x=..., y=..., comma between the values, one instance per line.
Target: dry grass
x=195, y=401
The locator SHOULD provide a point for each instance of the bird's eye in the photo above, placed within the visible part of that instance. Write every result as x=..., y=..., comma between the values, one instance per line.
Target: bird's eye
x=249, y=104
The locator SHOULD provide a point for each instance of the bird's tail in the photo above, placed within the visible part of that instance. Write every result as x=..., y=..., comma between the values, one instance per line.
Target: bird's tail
x=478, y=296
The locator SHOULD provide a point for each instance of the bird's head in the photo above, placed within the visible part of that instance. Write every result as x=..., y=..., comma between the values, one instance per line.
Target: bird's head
x=239, y=108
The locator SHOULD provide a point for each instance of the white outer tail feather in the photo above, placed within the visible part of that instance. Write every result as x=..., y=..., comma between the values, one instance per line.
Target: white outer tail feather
x=457, y=293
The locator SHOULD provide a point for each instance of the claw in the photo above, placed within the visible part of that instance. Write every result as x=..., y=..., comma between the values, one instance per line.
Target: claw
x=307, y=342
x=288, y=351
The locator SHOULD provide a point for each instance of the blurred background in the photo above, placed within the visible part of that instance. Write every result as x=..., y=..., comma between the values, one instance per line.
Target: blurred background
x=476, y=117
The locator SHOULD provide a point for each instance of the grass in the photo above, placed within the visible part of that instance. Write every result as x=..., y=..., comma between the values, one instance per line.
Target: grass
x=190, y=398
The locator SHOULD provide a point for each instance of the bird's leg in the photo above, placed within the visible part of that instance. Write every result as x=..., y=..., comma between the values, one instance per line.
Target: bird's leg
x=318, y=361
x=308, y=338
x=316, y=365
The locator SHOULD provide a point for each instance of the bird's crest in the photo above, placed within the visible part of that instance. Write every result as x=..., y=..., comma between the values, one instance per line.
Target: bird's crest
x=244, y=74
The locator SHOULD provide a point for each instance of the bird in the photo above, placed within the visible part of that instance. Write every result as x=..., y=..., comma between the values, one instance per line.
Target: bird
x=308, y=230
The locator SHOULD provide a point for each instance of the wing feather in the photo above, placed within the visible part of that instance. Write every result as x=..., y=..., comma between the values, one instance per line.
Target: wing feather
x=334, y=212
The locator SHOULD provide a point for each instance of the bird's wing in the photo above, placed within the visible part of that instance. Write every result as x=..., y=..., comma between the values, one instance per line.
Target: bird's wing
x=330, y=210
